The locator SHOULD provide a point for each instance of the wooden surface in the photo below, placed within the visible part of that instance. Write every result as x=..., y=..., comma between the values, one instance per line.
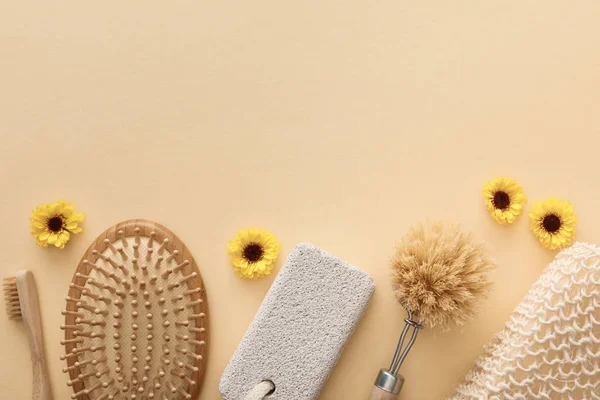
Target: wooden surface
x=30, y=311
x=335, y=123
x=146, y=227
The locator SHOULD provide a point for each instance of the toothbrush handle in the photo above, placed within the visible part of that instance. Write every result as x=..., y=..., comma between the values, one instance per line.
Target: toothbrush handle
x=380, y=394
x=30, y=310
x=41, y=381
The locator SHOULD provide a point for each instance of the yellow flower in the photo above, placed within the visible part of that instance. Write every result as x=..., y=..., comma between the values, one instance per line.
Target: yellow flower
x=553, y=222
x=504, y=199
x=53, y=223
x=253, y=253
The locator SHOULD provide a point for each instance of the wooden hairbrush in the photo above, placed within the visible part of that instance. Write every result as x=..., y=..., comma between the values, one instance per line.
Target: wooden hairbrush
x=21, y=300
x=136, y=321
x=439, y=275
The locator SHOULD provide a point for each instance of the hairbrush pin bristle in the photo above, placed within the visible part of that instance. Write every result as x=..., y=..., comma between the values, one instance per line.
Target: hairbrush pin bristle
x=136, y=308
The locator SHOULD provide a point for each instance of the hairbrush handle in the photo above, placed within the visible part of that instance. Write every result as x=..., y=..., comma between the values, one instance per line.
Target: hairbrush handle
x=30, y=310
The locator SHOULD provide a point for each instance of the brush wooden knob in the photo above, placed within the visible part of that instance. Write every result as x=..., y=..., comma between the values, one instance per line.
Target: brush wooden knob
x=379, y=394
x=30, y=310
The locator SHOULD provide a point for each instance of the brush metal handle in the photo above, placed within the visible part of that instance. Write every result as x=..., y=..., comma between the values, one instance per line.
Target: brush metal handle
x=30, y=310
x=388, y=382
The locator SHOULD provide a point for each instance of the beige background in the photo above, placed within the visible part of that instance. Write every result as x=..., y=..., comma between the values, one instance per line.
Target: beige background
x=334, y=122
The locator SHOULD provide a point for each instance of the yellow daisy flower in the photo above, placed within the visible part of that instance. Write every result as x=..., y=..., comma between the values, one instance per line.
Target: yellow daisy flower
x=53, y=223
x=253, y=253
x=553, y=222
x=504, y=199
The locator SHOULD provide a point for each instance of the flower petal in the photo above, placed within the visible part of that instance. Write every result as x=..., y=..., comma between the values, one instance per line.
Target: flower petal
x=52, y=238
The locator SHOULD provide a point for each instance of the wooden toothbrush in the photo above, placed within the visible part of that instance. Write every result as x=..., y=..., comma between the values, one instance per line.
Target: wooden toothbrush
x=21, y=299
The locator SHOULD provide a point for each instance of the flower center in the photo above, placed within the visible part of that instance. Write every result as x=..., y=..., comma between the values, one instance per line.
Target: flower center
x=501, y=200
x=253, y=252
x=551, y=223
x=55, y=224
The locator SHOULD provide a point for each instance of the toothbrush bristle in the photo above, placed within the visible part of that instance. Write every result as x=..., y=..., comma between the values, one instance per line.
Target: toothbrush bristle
x=11, y=298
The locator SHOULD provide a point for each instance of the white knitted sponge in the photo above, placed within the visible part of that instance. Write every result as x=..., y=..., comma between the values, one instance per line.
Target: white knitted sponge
x=301, y=327
x=550, y=346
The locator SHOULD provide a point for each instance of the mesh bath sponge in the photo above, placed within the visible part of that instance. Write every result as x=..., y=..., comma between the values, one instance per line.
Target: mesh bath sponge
x=550, y=346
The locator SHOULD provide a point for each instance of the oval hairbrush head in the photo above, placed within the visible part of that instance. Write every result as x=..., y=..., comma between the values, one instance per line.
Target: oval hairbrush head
x=440, y=274
x=136, y=322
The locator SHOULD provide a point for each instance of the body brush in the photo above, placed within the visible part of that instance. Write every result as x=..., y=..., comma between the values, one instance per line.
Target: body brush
x=439, y=274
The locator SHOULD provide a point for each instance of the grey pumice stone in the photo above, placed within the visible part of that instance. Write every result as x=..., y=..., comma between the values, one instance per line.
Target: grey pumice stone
x=301, y=328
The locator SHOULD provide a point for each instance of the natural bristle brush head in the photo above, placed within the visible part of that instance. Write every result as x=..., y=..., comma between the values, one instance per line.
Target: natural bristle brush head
x=137, y=318
x=440, y=274
x=11, y=298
